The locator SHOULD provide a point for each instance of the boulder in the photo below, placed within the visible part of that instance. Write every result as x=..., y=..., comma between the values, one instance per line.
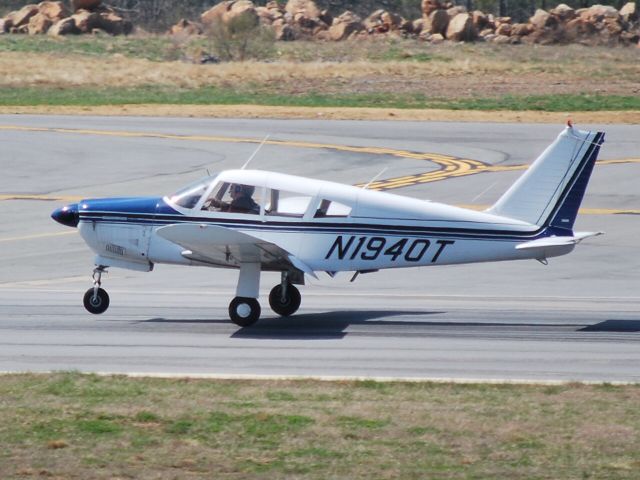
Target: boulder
x=215, y=13
x=382, y=21
x=578, y=28
x=85, y=20
x=284, y=32
x=326, y=17
x=85, y=4
x=563, y=12
x=597, y=13
x=113, y=24
x=504, y=29
x=542, y=19
x=629, y=12
x=418, y=25
x=461, y=29
x=429, y=6
x=501, y=39
x=266, y=15
x=345, y=25
x=240, y=8
x=53, y=10
x=185, y=27
x=453, y=11
x=480, y=20
x=438, y=22
x=39, y=24
x=66, y=26
x=21, y=17
x=521, y=29
x=307, y=7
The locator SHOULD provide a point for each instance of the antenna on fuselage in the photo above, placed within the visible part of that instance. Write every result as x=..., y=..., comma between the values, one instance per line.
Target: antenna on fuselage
x=256, y=151
x=375, y=178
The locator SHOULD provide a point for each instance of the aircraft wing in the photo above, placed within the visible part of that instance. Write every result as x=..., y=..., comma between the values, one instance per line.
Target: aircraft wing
x=224, y=247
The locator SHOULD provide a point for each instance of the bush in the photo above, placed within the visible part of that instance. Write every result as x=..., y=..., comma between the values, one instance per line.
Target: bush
x=241, y=38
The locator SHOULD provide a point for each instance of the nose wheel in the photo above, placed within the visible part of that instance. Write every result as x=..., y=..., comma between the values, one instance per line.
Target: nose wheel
x=96, y=299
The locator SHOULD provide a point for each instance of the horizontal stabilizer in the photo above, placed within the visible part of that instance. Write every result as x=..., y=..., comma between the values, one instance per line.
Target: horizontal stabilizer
x=548, y=242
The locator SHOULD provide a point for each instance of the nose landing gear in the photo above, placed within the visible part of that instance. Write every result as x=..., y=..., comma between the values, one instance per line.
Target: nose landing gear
x=96, y=299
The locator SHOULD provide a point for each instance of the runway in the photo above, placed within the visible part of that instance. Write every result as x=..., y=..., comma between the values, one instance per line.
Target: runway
x=575, y=319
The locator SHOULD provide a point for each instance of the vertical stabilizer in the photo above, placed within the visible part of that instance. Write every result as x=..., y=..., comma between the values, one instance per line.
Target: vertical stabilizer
x=549, y=193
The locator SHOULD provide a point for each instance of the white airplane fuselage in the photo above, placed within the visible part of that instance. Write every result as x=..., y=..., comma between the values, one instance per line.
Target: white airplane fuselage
x=392, y=232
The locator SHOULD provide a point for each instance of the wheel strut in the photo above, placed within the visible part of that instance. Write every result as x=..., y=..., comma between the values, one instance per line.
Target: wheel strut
x=97, y=279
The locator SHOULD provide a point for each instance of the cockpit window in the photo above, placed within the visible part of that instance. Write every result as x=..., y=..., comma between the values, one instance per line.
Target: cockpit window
x=189, y=196
x=234, y=198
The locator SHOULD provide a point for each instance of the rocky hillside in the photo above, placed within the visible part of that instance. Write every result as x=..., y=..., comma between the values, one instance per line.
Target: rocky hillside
x=303, y=19
x=54, y=18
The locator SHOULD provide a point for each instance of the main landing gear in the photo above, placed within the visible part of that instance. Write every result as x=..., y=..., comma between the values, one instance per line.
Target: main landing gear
x=244, y=309
x=96, y=299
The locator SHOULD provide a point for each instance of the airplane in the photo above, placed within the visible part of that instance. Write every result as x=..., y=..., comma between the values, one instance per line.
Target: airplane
x=300, y=226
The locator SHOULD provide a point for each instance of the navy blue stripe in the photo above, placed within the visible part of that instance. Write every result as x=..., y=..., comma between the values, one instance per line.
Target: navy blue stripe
x=353, y=229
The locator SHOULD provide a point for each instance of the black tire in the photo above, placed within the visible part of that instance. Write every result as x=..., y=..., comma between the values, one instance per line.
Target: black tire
x=96, y=305
x=244, y=311
x=290, y=304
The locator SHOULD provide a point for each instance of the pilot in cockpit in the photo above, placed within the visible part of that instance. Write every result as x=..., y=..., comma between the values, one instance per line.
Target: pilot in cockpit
x=241, y=201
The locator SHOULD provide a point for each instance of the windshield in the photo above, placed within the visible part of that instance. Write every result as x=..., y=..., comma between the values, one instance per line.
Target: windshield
x=187, y=197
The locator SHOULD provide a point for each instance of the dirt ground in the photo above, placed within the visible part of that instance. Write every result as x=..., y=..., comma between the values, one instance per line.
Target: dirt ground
x=255, y=111
x=453, y=71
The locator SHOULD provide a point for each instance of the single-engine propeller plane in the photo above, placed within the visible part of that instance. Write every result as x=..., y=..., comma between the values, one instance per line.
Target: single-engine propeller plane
x=258, y=221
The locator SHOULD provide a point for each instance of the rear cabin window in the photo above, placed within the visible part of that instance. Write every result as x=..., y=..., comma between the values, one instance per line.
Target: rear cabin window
x=330, y=208
x=287, y=204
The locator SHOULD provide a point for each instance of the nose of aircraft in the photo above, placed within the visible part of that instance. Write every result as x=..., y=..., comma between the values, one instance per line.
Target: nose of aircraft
x=67, y=215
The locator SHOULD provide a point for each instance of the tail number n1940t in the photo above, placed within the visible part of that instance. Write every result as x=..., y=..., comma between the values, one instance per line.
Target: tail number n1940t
x=370, y=248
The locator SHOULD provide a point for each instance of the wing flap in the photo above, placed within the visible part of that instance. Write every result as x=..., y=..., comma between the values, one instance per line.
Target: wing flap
x=224, y=247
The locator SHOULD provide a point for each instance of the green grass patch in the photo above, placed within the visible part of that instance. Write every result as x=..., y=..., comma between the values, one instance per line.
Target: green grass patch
x=85, y=426
x=157, y=95
x=153, y=47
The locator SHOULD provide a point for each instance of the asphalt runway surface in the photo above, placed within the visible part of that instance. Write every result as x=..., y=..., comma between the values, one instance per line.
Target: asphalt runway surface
x=576, y=319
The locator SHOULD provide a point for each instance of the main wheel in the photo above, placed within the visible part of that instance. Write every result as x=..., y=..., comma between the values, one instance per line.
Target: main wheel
x=98, y=303
x=244, y=311
x=289, y=304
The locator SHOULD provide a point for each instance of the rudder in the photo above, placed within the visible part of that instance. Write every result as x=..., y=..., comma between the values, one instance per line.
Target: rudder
x=549, y=193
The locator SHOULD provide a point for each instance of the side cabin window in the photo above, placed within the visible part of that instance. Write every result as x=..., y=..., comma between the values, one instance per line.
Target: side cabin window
x=234, y=198
x=331, y=208
x=286, y=204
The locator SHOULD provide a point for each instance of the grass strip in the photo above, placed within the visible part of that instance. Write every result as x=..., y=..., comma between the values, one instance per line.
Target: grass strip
x=69, y=425
x=155, y=95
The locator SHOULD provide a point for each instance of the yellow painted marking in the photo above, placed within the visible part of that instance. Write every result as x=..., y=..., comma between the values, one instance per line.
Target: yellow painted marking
x=65, y=198
x=449, y=166
x=582, y=211
x=37, y=235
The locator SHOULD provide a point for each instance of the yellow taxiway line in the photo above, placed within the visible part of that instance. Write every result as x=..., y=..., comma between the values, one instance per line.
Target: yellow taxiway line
x=450, y=166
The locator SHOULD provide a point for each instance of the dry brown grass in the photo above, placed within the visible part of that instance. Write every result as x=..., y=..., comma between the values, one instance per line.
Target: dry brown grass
x=447, y=71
